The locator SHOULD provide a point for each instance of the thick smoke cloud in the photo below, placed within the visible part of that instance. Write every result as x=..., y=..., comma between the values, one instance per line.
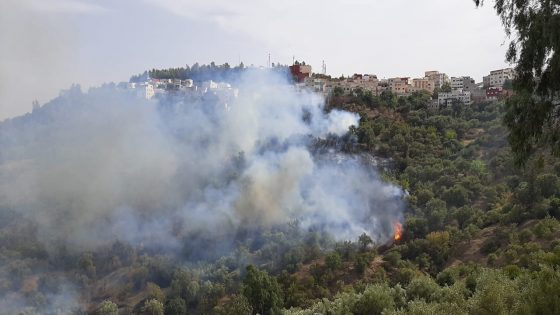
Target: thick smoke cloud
x=94, y=167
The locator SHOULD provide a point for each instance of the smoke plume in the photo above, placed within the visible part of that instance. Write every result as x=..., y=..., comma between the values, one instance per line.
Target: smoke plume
x=91, y=168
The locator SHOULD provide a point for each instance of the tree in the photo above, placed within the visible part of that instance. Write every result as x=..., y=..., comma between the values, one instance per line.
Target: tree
x=86, y=264
x=424, y=288
x=375, y=299
x=239, y=305
x=338, y=91
x=262, y=291
x=176, y=306
x=532, y=115
x=333, y=261
x=364, y=241
x=155, y=292
x=152, y=307
x=108, y=308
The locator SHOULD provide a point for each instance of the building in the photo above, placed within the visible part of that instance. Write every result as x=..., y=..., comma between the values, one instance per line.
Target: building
x=150, y=91
x=438, y=78
x=463, y=83
x=447, y=98
x=366, y=82
x=456, y=83
x=317, y=85
x=423, y=84
x=478, y=95
x=300, y=72
x=497, y=78
x=400, y=86
x=188, y=83
x=495, y=93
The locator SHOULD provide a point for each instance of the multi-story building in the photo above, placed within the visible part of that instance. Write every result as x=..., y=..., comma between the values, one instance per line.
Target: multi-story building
x=478, y=95
x=438, y=78
x=316, y=85
x=494, y=93
x=150, y=91
x=423, y=84
x=382, y=86
x=400, y=86
x=497, y=78
x=447, y=98
x=366, y=82
x=463, y=83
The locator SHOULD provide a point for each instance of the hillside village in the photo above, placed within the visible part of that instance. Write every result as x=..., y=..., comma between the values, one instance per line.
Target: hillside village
x=445, y=89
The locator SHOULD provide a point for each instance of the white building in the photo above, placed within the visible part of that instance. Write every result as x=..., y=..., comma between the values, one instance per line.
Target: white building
x=150, y=91
x=316, y=85
x=497, y=78
x=188, y=83
x=209, y=85
x=447, y=98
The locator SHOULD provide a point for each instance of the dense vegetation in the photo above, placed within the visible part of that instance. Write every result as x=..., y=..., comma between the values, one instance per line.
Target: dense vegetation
x=480, y=236
x=532, y=114
x=200, y=73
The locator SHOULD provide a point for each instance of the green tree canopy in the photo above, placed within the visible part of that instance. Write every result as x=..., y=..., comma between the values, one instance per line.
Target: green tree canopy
x=532, y=115
x=262, y=291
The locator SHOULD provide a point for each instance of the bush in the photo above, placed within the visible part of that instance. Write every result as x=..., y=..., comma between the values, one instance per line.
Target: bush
x=176, y=306
x=152, y=307
x=374, y=300
x=422, y=288
x=108, y=308
x=333, y=261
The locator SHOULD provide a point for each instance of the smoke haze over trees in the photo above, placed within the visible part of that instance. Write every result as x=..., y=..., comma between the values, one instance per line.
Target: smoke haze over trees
x=200, y=73
x=103, y=165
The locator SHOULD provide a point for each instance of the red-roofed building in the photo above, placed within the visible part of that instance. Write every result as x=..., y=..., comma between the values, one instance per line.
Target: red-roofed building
x=300, y=72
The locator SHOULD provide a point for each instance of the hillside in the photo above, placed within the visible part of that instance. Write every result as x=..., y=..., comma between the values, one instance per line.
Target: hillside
x=480, y=236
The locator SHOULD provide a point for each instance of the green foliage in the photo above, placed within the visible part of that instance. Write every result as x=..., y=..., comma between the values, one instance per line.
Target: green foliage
x=333, y=261
x=422, y=288
x=262, y=291
x=176, y=306
x=152, y=307
x=239, y=305
x=196, y=72
x=155, y=292
x=374, y=300
x=364, y=241
x=542, y=294
x=107, y=308
x=361, y=263
x=535, y=28
x=495, y=294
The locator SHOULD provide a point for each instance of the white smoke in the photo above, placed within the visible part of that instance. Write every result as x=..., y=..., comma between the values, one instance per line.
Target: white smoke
x=94, y=167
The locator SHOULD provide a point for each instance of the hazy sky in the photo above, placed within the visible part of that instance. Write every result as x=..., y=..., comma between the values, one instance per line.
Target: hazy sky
x=49, y=44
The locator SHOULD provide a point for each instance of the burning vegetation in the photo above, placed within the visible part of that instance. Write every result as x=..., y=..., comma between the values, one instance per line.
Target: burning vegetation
x=397, y=228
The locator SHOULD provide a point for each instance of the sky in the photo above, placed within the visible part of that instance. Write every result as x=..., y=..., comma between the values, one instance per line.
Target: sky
x=48, y=45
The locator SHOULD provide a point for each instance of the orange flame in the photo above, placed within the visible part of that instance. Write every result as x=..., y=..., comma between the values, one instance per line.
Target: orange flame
x=397, y=227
